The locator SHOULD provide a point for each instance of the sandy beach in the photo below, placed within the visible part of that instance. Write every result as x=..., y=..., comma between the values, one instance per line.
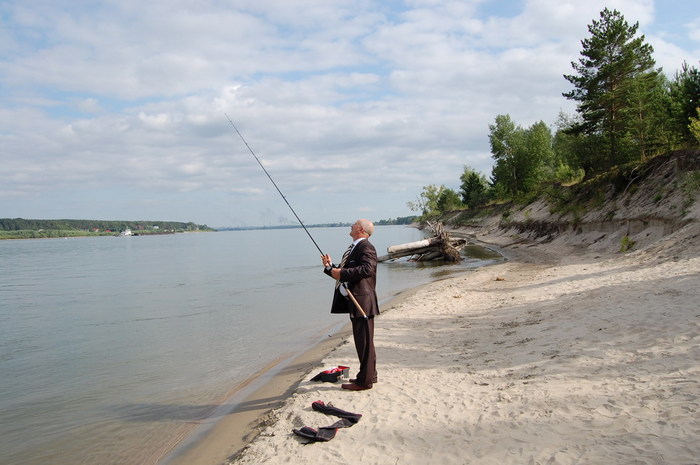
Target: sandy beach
x=564, y=354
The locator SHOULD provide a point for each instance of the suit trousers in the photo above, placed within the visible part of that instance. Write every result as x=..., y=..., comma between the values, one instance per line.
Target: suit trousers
x=363, y=333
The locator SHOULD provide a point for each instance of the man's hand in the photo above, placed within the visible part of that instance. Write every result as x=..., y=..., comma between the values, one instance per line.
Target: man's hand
x=327, y=261
x=335, y=272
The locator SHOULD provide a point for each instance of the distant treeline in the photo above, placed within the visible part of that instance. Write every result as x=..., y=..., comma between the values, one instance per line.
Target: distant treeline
x=400, y=220
x=404, y=220
x=20, y=228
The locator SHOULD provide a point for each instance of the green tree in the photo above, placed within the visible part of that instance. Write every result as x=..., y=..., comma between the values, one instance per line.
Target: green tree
x=507, y=140
x=474, y=188
x=538, y=157
x=523, y=157
x=565, y=143
x=684, y=92
x=434, y=200
x=648, y=128
x=694, y=125
x=614, y=66
x=448, y=200
x=427, y=201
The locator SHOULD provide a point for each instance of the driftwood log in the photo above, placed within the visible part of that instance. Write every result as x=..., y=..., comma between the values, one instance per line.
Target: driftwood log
x=439, y=247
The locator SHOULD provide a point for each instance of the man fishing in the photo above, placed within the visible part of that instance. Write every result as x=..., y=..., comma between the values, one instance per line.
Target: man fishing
x=355, y=293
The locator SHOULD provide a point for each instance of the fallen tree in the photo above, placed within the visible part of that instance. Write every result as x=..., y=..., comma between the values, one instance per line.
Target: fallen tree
x=438, y=247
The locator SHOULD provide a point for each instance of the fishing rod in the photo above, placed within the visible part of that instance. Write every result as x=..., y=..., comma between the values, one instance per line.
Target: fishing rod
x=274, y=184
x=352, y=297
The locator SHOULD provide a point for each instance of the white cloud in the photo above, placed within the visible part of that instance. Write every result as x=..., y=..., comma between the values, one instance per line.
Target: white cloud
x=351, y=103
x=693, y=28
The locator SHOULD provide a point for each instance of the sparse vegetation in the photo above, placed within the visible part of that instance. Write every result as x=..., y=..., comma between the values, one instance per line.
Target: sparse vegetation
x=690, y=186
x=626, y=244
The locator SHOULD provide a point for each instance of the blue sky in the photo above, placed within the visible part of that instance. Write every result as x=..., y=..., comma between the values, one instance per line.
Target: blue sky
x=116, y=109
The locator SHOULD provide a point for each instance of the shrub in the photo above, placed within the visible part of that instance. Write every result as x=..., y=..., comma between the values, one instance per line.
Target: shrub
x=626, y=244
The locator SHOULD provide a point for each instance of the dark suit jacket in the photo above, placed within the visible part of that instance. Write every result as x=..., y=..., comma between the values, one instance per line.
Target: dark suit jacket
x=360, y=273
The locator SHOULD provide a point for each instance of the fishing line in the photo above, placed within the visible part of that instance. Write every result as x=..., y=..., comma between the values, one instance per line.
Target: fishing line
x=274, y=184
x=352, y=297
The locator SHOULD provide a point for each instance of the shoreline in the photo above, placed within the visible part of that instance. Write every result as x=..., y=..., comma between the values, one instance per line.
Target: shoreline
x=215, y=441
x=223, y=440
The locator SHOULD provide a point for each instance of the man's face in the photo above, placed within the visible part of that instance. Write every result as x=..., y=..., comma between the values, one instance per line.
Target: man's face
x=356, y=230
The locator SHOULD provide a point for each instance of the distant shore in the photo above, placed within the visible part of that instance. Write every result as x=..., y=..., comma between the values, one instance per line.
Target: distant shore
x=43, y=230
x=21, y=228
x=57, y=234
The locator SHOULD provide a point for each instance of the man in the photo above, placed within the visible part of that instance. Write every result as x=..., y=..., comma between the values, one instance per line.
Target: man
x=355, y=293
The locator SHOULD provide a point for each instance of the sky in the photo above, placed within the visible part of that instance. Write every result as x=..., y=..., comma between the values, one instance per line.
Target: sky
x=119, y=109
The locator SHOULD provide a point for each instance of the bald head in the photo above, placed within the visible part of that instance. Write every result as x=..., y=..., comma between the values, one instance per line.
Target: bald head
x=361, y=228
x=367, y=226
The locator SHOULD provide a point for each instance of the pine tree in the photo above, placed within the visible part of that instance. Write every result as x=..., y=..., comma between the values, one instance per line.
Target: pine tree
x=685, y=99
x=648, y=125
x=474, y=188
x=608, y=83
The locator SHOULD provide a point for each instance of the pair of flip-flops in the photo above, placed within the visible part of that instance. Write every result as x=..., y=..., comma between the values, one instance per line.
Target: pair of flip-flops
x=326, y=433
